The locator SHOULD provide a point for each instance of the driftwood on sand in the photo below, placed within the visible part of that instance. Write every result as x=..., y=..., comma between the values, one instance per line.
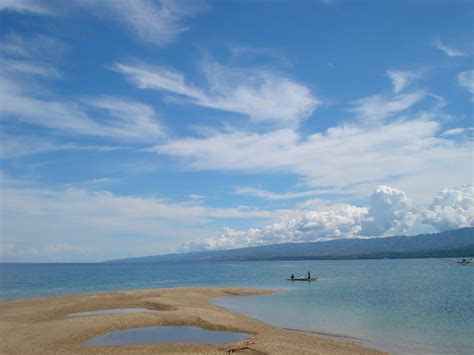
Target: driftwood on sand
x=244, y=344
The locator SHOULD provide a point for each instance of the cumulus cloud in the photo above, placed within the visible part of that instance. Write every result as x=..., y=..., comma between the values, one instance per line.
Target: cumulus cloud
x=262, y=95
x=451, y=208
x=342, y=222
x=390, y=213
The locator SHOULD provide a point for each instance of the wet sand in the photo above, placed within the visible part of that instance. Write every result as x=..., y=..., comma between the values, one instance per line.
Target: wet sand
x=42, y=325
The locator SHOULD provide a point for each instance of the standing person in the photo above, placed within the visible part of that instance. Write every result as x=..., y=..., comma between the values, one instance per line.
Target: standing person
x=309, y=275
x=292, y=277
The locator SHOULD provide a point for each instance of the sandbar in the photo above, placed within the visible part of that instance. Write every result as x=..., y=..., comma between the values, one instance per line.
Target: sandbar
x=42, y=325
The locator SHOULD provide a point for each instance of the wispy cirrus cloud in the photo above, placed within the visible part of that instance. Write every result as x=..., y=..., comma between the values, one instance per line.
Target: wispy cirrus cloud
x=379, y=107
x=466, y=80
x=37, y=47
x=457, y=131
x=37, y=55
x=28, y=68
x=36, y=7
x=260, y=94
x=26, y=99
x=112, y=117
x=448, y=50
x=340, y=157
x=270, y=195
x=402, y=78
x=16, y=146
x=80, y=218
x=155, y=22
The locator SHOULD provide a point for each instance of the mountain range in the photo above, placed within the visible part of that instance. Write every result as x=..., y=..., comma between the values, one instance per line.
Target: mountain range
x=452, y=243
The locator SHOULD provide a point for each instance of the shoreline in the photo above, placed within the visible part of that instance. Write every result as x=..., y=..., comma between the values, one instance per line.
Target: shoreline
x=42, y=325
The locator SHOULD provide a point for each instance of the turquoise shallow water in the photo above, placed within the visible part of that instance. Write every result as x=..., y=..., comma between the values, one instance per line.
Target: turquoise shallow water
x=405, y=306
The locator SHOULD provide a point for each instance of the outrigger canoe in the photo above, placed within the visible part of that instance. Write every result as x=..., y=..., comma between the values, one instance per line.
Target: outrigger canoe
x=302, y=279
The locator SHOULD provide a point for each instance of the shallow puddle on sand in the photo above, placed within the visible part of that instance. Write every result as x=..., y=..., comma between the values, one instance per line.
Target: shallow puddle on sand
x=166, y=335
x=111, y=311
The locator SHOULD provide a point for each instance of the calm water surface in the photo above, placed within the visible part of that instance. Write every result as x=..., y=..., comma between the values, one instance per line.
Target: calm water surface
x=404, y=306
x=166, y=335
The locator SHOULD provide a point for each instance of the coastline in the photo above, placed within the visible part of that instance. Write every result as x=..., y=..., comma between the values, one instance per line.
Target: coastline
x=42, y=325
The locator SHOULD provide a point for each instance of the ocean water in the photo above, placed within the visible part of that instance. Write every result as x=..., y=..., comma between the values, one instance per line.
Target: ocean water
x=406, y=306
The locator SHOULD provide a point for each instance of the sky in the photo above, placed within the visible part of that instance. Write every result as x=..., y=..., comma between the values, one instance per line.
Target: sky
x=133, y=128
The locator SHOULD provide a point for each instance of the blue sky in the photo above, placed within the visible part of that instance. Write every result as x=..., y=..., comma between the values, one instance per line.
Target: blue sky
x=144, y=127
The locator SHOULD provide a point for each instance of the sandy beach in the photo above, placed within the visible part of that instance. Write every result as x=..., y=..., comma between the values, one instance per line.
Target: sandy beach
x=42, y=325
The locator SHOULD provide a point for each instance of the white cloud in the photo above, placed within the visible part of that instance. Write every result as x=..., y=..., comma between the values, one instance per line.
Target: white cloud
x=34, y=55
x=451, y=208
x=448, y=50
x=39, y=47
x=401, y=78
x=129, y=118
x=156, y=22
x=379, y=107
x=24, y=99
x=262, y=95
x=113, y=117
x=82, y=218
x=457, y=131
x=15, y=146
x=21, y=67
x=342, y=222
x=346, y=157
x=466, y=80
x=269, y=195
x=26, y=6
x=71, y=220
x=390, y=213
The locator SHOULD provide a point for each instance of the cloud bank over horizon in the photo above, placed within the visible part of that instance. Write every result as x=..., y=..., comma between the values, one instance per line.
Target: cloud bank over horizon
x=131, y=127
x=390, y=213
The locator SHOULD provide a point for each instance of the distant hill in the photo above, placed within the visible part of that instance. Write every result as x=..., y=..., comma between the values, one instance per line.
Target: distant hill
x=453, y=243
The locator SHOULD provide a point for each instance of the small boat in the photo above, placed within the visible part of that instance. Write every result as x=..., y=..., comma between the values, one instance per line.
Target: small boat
x=302, y=279
x=463, y=261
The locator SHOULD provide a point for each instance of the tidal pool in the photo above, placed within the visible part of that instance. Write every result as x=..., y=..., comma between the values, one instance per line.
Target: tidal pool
x=111, y=311
x=166, y=335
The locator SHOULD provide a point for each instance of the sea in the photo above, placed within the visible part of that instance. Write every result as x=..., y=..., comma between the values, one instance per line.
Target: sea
x=404, y=306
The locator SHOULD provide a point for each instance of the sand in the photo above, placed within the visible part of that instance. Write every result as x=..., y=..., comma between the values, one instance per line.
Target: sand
x=42, y=325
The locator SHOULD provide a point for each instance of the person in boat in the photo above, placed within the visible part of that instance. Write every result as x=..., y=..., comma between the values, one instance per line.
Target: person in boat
x=309, y=275
x=292, y=277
